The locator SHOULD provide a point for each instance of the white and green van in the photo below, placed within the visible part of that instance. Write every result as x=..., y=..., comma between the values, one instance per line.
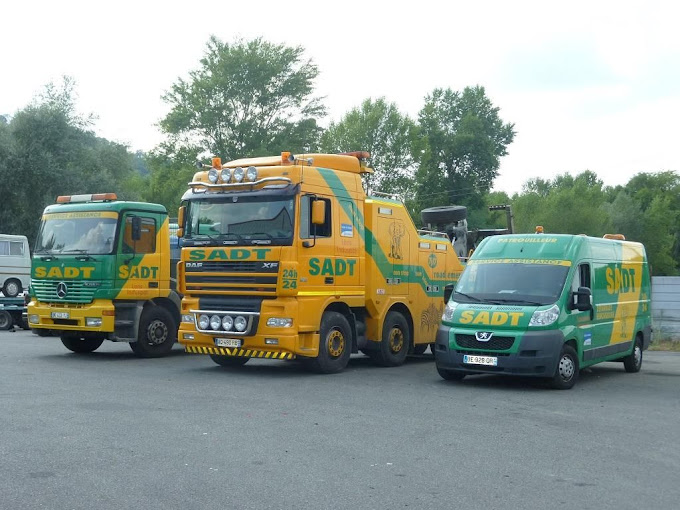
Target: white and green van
x=547, y=306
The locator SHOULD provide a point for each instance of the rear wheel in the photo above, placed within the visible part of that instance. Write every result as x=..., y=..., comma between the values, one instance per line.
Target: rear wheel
x=11, y=288
x=633, y=362
x=419, y=348
x=157, y=333
x=81, y=345
x=335, y=344
x=5, y=320
x=229, y=361
x=566, y=373
x=396, y=338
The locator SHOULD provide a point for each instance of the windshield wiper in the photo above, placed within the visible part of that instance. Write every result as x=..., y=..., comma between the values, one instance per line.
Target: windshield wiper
x=86, y=257
x=48, y=257
x=473, y=298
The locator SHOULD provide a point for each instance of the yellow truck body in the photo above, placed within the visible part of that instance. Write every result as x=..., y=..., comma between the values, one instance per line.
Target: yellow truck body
x=287, y=257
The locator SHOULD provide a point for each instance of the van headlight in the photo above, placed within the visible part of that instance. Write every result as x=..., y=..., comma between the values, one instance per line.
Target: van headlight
x=545, y=317
x=448, y=311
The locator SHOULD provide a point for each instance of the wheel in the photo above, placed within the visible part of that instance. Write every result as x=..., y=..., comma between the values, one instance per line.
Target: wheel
x=566, y=373
x=5, y=320
x=229, y=361
x=157, y=333
x=443, y=214
x=633, y=362
x=419, y=348
x=80, y=345
x=451, y=375
x=335, y=344
x=12, y=288
x=396, y=338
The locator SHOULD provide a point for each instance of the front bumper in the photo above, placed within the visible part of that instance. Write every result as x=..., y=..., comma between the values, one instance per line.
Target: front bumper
x=536, y=355
x=77, y=313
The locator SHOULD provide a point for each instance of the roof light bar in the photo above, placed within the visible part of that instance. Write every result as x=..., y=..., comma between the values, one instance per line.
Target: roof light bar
x=66, y=199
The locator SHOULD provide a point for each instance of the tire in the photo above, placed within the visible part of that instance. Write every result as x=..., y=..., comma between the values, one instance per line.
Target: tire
x=566, y=372
x=633, y=362
x=420, y=348
x=12, y=288
x=451, y=375
x=157, y=333
x=42, y=332
x=443, y=214
x=335, y=344
x=396, y=338
x=229, y=361
x=81, y=346
x=5, y=320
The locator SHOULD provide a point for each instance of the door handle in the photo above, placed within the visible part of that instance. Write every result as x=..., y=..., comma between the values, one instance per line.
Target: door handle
x=328, y=280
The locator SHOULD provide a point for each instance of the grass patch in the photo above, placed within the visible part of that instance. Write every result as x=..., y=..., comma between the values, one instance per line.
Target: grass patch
x=665, y=345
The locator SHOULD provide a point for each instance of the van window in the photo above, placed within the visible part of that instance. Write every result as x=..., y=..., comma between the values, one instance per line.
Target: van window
x=147, y=243
x=12, y=248
x=581, y=277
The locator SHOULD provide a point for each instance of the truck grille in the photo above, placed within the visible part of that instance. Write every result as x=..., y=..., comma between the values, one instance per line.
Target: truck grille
x=76, y=291
x=237, y=277
x=496, y=343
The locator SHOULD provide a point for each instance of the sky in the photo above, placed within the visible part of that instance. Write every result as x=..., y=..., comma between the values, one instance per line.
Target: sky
x=589, y=85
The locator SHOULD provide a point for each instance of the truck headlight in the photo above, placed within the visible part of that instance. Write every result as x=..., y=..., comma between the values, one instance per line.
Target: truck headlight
x=187, y=317
x=212, y=175
x=240, y=323
x=545, y=317
x=93, y=322
x=203, y=322
x=34, y=319
x=280, y=322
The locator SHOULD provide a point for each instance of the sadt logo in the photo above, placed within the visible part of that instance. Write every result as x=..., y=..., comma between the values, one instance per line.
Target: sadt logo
x=483, y=336
x=62, y=290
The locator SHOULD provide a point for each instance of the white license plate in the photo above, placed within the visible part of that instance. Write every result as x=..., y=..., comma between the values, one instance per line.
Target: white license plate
x=60, y=315
x=228, y=342
x=491, y=361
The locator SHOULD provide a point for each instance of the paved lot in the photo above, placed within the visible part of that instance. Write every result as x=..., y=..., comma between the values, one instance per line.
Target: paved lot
x=110, y=431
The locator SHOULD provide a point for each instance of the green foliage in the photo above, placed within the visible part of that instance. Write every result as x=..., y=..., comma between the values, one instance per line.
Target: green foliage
x=463, y=140
x=660, y=221
x=379, y=128
x=247, y=98
x=47, y=150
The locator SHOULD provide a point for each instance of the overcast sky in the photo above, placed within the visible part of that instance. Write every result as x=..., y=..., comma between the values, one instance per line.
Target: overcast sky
x=588, y=84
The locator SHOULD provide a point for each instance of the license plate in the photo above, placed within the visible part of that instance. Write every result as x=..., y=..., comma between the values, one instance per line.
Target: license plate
x=60, y=315
x=228, y=342
x=491, y=361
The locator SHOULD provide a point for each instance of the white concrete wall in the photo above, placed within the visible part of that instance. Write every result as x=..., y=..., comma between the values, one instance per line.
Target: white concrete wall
x=666, y=307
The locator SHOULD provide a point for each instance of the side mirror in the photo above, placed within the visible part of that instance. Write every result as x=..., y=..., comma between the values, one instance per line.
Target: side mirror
x=584, y=299
x=136, y=228
x=180, y=221
x=318, y=212
x=448, y=290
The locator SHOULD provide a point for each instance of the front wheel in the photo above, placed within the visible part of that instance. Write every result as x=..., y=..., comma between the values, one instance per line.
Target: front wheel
x=566, y=373
x=335, y=344
x=229, y=361
x=81, y=345
x=633, y=362
x=5, y=320
x=157, y=333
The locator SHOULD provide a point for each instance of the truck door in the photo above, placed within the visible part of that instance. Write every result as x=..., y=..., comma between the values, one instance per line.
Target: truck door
x=346, y=246
x=138, y=260
x=317, y=253
x=587, y=333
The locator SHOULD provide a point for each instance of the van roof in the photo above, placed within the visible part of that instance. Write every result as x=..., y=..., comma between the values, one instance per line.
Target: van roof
x=116, y=205
x=12, y=237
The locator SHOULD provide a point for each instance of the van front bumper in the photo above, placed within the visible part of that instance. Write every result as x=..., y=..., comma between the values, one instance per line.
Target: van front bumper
x=536, y=355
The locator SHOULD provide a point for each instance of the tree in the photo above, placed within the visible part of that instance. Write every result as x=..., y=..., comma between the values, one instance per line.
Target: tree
x=464, y=139
x=379, y=128
x=247, y=98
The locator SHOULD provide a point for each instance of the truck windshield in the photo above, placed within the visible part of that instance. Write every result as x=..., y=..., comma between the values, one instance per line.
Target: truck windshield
x=511, y=283
x=245, y=220
x=77, y=233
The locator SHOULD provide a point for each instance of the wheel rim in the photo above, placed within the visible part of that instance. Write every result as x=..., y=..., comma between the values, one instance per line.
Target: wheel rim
x=4, y=320
x=335, y=342
x=12, y=289
x=638, y=355
x=396, y=340
x=156, y=333
x=566, y=368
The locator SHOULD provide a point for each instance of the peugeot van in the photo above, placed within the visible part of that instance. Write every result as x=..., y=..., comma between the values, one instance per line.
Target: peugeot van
x=15, y=264
x=547, y=306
